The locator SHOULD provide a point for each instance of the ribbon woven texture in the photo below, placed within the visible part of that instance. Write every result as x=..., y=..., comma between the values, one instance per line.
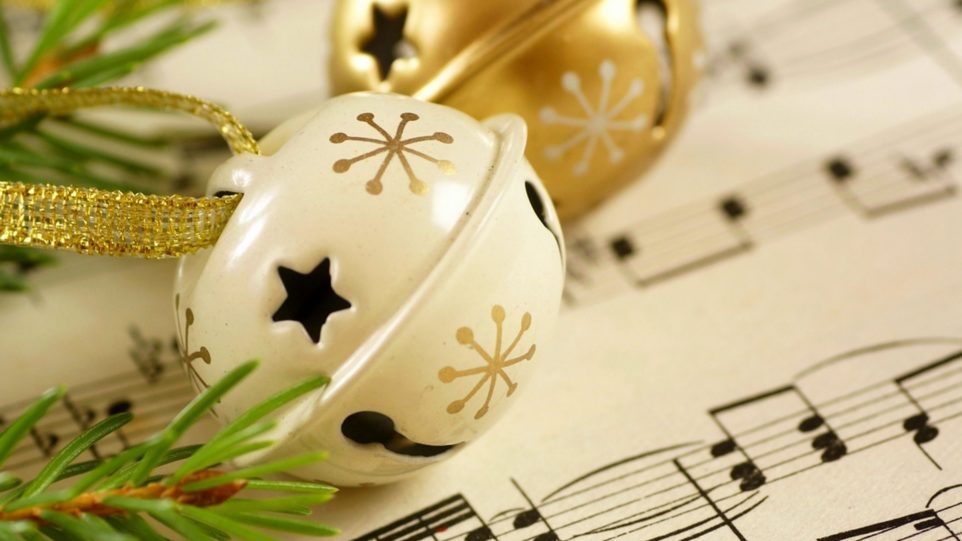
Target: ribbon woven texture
x=103, y=222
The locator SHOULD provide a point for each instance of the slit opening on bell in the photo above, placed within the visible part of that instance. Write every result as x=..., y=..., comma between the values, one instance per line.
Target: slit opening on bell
x=371, y=427
x=652, y=17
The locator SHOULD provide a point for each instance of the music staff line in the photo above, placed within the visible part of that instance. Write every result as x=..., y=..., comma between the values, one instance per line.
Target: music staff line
x=805, y=441
x=776, y=47
x=714, y=472
x=154, y=392
x=852, y=438
x=149, y=420
x=675, y=488
x=60, y=417
x=885, y=176
x=922, y=32
x=929, y=520
x=687, y=499
x=797, y=457
x=905, y=520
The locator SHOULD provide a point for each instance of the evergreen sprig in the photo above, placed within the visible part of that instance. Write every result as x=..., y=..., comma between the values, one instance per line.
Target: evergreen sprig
x=125, y=498
x=67, y=53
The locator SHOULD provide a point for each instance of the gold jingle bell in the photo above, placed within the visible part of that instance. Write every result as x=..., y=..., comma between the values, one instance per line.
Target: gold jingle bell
x=601, y=95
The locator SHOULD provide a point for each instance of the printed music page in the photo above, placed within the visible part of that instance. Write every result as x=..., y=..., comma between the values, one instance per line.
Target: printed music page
x=761, y=340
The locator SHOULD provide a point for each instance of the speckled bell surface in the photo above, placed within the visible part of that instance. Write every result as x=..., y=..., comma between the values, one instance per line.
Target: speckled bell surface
x=402, y=248
x=602, y=84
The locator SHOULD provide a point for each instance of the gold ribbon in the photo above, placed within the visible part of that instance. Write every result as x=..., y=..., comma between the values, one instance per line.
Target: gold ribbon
x=93, y=221
x=46, y=5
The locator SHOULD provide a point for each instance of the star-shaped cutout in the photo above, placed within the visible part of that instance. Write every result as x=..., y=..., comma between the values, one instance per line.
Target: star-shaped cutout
x=387, y=43
x=311, y=298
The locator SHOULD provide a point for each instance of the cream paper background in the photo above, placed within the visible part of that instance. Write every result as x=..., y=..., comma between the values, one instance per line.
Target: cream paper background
x=634, y=369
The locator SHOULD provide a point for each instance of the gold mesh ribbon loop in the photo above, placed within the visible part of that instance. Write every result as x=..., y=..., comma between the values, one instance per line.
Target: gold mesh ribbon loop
x=110, y=223
x=93, y=221
x=18, y=104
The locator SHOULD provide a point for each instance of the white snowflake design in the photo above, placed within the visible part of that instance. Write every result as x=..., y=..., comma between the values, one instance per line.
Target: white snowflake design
x=597, y=123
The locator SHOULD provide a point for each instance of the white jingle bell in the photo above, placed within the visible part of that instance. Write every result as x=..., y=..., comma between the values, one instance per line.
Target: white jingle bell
x=400, y=247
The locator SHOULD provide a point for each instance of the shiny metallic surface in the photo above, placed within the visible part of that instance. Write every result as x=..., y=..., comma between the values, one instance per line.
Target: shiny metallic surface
x=601, y=92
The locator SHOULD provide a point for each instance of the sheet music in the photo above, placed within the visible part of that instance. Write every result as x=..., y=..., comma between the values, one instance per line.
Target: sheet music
x=761, y=341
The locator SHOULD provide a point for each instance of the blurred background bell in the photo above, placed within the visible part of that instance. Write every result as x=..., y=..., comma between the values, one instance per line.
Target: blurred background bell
x=602, y=84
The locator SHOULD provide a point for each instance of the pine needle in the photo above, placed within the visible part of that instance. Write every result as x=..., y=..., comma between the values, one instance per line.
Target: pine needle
x=68, y=53
x=124, y=497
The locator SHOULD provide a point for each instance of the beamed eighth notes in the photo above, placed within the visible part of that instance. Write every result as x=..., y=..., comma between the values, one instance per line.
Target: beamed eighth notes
x=900, y=392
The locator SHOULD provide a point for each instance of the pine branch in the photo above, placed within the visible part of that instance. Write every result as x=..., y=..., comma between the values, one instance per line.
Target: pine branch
x=125, y=498
x=68, y=53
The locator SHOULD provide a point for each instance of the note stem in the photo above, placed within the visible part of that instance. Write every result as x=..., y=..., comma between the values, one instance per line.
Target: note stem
x=701, y=492
x=524, y=495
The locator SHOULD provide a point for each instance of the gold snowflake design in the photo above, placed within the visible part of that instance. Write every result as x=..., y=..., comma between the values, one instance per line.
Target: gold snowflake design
x=187, y=357
x=494, y=365
x=393, y=146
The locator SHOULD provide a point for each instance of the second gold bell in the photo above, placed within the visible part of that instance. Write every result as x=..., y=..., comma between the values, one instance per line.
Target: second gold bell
x=602, y=92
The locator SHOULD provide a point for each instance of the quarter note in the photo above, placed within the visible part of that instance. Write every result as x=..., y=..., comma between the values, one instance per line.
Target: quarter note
x=532, y=516
x=622, y=247
x=920, y=423
x=481, y=533
x=840, y=169
x=733, y=208
x=841, y=172
x=526, y=518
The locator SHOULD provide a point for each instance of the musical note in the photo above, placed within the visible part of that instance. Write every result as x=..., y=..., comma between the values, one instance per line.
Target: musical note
x=893, y=184
x=690, y=490
x=154, y=393
x=656, y=250
x=532, y=516
x=934, y=166
x=920, y=423
x=146, y=354
x=762, y=417
x=741, y=57
x=900, y=169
